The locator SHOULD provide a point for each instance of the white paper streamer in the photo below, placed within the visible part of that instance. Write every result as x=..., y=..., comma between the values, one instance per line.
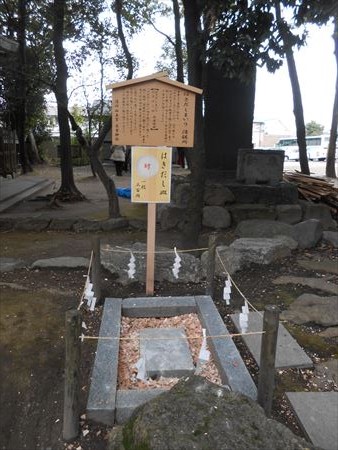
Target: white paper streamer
x=227, y=291
x=204, y=353
x=84, y=326
x=92, y=304
x=244, y=317
x=177, y=264
x=141, y=369
x=131, y=266
x=89, y=295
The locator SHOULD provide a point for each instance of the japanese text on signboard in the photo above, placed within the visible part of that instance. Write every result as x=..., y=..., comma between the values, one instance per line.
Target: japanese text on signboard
x=153, y=113
x=151, y=174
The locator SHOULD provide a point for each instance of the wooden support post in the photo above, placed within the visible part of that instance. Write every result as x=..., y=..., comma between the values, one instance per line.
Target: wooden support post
x=71, y=407
x=96, y=268
x=151, y=237
x=266, y=380
x=211, y=264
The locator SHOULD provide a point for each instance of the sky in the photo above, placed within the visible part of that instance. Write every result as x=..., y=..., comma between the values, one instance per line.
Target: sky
x=273, y=105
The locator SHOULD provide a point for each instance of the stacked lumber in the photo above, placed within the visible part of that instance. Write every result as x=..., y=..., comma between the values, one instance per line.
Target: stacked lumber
x=314, y=189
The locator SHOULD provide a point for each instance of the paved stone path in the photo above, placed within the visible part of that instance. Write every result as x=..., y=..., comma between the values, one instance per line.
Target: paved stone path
x=289, y=353
x=317, y=413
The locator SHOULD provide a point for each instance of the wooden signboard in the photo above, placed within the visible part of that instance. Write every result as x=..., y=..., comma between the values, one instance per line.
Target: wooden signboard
x=153, y=111
x=150, y=174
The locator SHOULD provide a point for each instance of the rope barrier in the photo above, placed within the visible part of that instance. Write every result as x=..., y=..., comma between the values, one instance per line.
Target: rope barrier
x=218, y=336
x=119, y=249
x=235, y=285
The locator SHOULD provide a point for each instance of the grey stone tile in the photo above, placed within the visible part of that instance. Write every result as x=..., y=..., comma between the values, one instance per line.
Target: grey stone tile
x=166, y=352
x=288, y=353
x=317, y=413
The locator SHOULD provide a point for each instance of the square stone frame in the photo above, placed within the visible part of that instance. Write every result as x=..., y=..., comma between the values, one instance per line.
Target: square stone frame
x=107, y=404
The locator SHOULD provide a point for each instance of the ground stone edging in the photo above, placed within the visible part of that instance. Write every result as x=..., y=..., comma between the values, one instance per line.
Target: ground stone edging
x=61, y=224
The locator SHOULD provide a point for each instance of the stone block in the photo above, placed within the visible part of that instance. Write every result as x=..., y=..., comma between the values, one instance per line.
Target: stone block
x=289, y=213
x=102, y=393
x=113, y=224
x=158, y=307
x=255, y=228
x=182, y=194
x=242, y=211
x=166, y=352
x=60, y=224
x=260, y=166
x=71, y=262
x=32, y=224
x=87, y=225
x=128, y=400
x=230, y=365
x=281, y=194
x=171, y=216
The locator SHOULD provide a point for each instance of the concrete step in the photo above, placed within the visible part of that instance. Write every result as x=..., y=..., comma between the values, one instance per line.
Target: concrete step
x=15, y=191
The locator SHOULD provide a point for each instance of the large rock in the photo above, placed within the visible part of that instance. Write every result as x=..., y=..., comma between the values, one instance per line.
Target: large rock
x=255, y=228
x=171, y=216
x=331, y=237
x=216, y=217
x=308, y=233
x=197, y=414
x=289, y=213
x=182, y=194
x=245, y=251
x=217, y=195
x=320, y=212
x=227, y=260
x=313, y=308
x=261, y=250
x=117, y=261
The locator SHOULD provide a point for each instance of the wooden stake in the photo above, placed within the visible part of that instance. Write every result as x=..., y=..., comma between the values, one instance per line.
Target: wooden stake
x=96, y=268
x=151, y=236
x=266, y=380
x=71, y=407
x=211, y=264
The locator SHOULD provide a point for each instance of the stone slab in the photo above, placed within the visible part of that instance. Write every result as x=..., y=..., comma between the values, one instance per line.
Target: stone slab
x=71, y=262
x=166, y=352
x=289, y=353
x=128, y=400
x=102, y=393
x=158, y=307
x=230, y=365
x=317, y=413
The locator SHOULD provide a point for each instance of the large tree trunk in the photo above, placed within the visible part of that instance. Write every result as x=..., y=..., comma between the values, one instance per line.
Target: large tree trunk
x=331, y=151
x=229, y=113
x=296, y=93
x=93, y=152
x=68, y=190
x=196, y=155
x=20, y=113
x=33, y=151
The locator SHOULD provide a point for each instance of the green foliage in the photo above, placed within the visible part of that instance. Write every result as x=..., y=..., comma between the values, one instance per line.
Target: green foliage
x=313, y=128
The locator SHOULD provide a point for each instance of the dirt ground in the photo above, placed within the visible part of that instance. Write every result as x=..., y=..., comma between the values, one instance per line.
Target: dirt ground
x=33, y=306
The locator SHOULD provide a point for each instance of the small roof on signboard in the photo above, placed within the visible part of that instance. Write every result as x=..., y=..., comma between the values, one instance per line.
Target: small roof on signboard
x=159, y=76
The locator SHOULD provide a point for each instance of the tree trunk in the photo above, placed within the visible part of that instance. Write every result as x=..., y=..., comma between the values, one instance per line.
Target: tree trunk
x=178, y=42
x=68, y=190
x=33, y=150
x=196, y=155
x=93, y=152
x=127, y=54
x=20, y=112
x=296, y=93
x=331, y=151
